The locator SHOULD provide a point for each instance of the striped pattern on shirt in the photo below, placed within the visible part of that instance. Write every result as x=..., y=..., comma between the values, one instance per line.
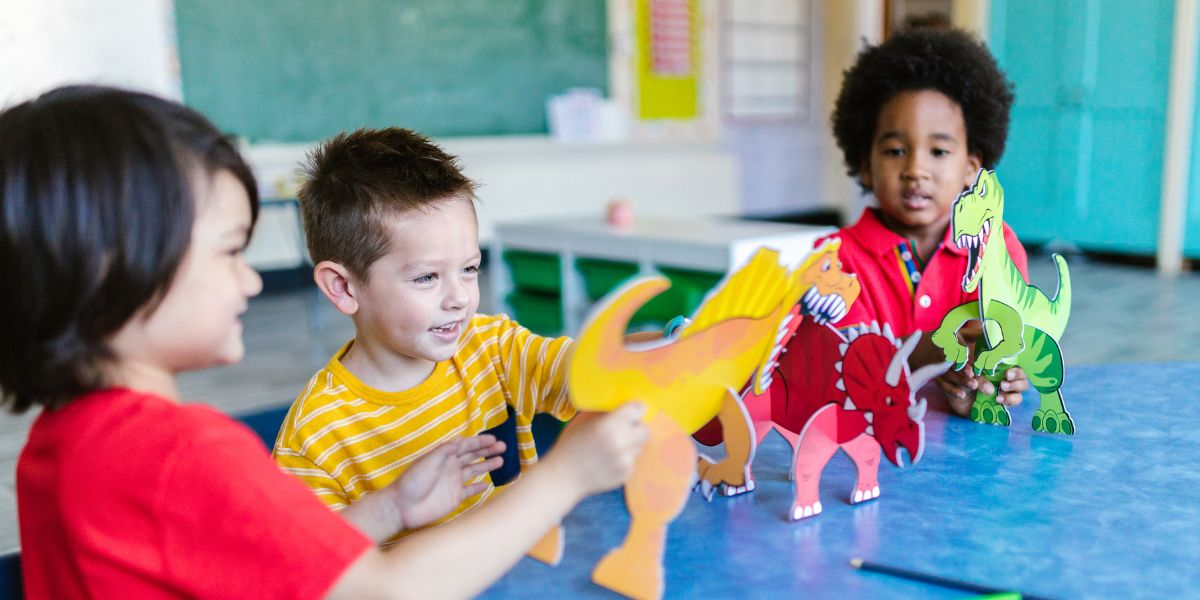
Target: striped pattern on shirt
x=345, y=439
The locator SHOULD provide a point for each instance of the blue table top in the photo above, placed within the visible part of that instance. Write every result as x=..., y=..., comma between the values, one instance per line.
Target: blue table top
x=1109, y=512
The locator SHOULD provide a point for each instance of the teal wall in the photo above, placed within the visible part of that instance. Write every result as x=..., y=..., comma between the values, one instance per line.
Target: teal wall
x=1191, y=238
x=301, y=70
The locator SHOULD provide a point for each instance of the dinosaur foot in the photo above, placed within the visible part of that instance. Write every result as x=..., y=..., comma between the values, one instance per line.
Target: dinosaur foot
x=735, y=490
x=549, y=549
x=990, y=412
x=630, y=574
x=803, y=511
x=708, y=490
x=862, y=495
x=1053, y=421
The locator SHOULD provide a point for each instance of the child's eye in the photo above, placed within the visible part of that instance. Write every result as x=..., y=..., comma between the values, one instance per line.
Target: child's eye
x=939, y=152
x=893, y=152
x=426, y=278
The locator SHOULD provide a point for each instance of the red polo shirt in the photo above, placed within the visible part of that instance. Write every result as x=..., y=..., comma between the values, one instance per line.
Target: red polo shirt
x=896, y=288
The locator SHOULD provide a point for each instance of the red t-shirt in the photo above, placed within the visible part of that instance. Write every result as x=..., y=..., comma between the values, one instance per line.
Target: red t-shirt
x=896, y=288
x=123, y=494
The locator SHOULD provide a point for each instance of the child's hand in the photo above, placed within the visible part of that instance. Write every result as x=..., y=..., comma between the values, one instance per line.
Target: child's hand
x=960, y=388
x=599, y=450
x=433, y=485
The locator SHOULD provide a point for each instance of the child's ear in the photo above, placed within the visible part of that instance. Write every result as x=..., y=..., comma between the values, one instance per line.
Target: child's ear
x=973, y=166
x=335, y=281
x=864, y=174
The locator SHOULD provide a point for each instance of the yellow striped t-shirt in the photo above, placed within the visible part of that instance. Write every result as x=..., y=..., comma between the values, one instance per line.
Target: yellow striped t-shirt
x=345, y=439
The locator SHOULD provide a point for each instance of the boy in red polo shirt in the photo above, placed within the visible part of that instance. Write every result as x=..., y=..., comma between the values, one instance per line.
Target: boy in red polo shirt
x=916, y=118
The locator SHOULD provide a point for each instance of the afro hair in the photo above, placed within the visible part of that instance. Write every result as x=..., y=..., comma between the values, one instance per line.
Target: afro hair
x=949, y=61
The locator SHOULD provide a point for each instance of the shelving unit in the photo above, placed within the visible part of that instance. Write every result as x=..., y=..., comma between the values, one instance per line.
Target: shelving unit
x=548, y=273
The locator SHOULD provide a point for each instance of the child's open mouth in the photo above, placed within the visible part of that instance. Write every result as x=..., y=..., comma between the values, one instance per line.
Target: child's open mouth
x=916, y=200
x=448, y=332
x=975, y=246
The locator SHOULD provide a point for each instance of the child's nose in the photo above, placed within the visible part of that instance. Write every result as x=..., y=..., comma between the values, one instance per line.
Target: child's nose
x=252, y=283
x=913, y=166
x=457, y=294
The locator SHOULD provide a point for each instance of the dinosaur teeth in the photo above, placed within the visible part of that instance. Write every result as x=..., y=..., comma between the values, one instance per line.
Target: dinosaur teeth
x=870, y=430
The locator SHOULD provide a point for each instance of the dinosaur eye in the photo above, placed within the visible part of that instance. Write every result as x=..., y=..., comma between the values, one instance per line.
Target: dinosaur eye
x=887, y=400
x=983, y=187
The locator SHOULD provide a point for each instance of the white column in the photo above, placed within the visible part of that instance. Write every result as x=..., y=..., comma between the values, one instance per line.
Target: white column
x=845, y=25
x=1181, y=104
x=972, y=15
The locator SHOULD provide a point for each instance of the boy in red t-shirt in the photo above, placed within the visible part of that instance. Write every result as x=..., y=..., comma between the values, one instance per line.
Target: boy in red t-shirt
x=123, y=221
x=916, y=118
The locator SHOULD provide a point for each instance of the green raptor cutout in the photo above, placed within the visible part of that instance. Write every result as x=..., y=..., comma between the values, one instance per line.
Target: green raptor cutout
x=1022, y=325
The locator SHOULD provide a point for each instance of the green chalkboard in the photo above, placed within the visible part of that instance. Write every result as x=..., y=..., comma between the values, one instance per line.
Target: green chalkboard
x=302, y=70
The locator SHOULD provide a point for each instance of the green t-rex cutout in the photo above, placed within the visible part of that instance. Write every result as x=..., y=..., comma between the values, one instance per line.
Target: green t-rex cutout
x=1022, y=325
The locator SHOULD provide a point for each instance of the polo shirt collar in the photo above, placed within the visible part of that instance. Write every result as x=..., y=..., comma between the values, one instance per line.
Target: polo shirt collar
x=877, y=239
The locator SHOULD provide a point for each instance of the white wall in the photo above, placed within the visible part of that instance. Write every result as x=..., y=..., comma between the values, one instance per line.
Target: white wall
x=533, y=177
x=47, y=43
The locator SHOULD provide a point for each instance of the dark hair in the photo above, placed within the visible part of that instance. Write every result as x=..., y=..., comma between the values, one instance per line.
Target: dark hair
x=949, y=61
x=355, y=180
x=96, y=213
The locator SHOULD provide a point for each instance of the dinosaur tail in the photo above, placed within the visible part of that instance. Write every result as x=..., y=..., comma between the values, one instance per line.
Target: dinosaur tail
x=1060, y=305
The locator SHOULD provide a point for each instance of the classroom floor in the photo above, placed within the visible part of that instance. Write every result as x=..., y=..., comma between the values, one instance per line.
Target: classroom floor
x=290, y=335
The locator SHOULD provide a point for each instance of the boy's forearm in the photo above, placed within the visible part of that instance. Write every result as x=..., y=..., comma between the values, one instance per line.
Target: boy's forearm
x=463, y=557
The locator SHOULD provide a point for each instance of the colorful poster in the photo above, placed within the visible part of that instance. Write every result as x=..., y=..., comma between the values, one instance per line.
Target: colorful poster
x=668, y=59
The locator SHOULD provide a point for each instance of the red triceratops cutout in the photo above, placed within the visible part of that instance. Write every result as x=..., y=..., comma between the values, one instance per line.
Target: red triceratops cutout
x=830, y=391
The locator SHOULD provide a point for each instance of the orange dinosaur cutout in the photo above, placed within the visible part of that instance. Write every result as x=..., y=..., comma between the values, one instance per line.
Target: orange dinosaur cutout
x=684, y=383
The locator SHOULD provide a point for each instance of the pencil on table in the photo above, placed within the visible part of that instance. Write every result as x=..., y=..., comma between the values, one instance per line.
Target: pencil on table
x=861, y=564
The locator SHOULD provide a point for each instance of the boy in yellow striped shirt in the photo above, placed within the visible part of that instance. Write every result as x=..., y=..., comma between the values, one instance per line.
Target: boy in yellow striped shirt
x=391, y=228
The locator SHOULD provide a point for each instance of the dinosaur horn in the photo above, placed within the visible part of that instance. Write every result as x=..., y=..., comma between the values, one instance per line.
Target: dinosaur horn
x=916, y=411
x=922, y=376
x=900, y=359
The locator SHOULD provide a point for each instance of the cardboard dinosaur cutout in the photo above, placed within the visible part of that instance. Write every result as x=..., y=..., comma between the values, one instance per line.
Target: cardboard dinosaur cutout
x=1022, y=325
x=829, y=293
x=830, y=392
x=733, y=337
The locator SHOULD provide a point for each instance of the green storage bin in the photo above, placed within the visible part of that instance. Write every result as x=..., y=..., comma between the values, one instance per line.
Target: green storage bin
x=603, y=276
x=534, y=271
x=691, y=286
x=539, y=313
x=687, y=290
